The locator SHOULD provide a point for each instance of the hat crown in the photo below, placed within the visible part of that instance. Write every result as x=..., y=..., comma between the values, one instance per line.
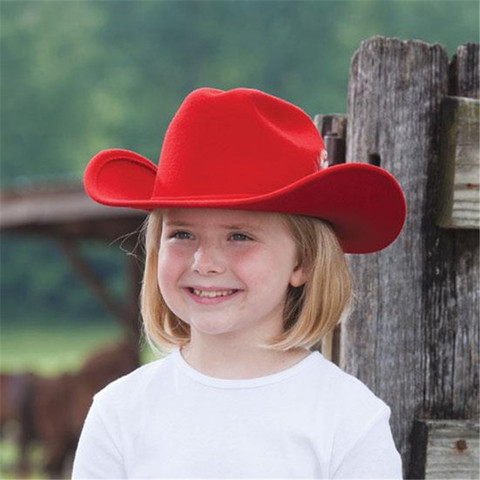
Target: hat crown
x=234, y=143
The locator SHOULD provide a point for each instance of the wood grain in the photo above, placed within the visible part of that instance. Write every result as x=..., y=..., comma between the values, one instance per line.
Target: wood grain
x=413, y=335
x=458, y=203
x=446, y=449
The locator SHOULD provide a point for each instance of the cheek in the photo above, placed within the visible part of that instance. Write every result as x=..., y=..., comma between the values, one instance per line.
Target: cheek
x=170, y=264
x=247, y=263
x=264, y=270
x=162, y=274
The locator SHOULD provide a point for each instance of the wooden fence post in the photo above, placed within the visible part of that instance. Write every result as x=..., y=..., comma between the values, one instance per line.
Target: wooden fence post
x=333, y=129
x=413, y=334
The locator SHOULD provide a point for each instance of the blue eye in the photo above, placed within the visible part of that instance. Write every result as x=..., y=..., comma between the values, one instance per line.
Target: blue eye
x=240, y=236
x=180, y=235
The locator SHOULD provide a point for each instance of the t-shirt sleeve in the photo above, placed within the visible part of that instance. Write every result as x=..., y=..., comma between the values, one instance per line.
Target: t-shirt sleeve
x=98, y=454
x=372, y=454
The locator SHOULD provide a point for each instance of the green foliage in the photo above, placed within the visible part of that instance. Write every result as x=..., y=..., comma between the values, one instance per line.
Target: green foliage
x=81, y=76
x=40, y=287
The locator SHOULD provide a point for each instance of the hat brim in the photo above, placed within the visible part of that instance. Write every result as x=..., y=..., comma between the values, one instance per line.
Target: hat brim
x=364, y=203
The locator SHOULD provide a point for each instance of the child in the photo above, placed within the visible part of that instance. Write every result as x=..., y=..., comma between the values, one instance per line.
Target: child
x=245, y=272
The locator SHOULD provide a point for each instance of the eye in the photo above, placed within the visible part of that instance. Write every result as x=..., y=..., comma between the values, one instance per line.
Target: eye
x=180, y=235
x=240, y=237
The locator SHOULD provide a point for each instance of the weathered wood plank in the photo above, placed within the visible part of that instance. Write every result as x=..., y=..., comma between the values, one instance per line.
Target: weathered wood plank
x=463, y=72
x=65, y=212
x=413, y=336
x=333, y=128
x=394, y=95
x=446, y=449
x=333, y=123
x=459, y=193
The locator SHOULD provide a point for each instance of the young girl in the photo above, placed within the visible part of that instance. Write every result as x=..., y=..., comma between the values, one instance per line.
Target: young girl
x=245, y=273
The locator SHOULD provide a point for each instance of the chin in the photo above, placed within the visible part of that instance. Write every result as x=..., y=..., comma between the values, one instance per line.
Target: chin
x=212, y=327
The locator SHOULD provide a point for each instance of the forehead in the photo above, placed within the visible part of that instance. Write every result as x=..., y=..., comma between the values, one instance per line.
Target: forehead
x=219, y=217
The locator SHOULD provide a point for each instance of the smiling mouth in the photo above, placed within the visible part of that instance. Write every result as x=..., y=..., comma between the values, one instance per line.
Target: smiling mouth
x=212, y=294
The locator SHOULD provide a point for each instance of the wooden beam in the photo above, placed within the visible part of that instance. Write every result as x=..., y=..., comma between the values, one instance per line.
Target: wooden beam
x=413, y=335
x=333, y=128
x=459, y=194
x=464, y=71
x=55, y=206
x=93, y=281
x=447, y=449
x=394, y=95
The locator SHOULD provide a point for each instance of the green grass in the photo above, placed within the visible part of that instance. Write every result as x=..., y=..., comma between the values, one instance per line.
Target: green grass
x=52, y=349
x=8, y=456
x=49, y=350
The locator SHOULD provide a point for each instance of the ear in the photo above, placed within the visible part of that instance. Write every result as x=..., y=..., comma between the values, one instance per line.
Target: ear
x=299, y=276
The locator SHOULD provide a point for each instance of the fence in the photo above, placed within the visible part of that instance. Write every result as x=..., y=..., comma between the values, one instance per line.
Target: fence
x=413, y=335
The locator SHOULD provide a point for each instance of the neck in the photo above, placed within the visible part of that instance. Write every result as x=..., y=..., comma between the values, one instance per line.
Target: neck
x=238, y=361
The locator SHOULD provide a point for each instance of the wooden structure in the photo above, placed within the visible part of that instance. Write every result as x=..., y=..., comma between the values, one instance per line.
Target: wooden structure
x=445, y=449
x=459, y=200
x=413, y=335
x=66, y=214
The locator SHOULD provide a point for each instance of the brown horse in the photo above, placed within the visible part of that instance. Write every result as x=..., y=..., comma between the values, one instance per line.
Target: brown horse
x=52, y=410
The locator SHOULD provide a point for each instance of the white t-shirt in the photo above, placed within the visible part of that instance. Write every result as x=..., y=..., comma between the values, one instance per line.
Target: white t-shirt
x=168, y=420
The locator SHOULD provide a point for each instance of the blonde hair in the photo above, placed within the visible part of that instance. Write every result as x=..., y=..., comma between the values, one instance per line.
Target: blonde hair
x=311, y=310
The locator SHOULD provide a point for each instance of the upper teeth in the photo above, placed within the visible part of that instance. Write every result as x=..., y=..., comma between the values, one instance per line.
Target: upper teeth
x=222, y=293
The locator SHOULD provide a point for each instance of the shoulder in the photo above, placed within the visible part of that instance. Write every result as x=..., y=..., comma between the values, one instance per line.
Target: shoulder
x=351, y=411
x=345, y=392
x=362, y=444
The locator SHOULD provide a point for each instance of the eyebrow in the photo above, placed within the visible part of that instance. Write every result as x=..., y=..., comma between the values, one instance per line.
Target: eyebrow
x=238, y=226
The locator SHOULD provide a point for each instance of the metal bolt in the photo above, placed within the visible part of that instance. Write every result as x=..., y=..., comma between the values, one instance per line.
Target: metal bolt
x=461, y=445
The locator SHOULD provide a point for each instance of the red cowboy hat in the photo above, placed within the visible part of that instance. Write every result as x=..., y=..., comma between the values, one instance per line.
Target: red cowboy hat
x=248, y=150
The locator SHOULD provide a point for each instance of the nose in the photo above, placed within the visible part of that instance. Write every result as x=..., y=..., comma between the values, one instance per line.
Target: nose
x=208, y=260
